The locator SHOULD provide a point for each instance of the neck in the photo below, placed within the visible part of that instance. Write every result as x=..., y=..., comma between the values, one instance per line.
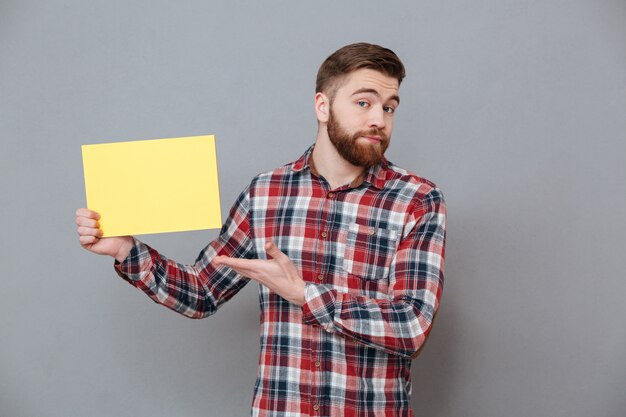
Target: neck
x=329, y=164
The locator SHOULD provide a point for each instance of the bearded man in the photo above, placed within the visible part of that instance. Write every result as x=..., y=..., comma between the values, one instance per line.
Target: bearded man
x=348, y=250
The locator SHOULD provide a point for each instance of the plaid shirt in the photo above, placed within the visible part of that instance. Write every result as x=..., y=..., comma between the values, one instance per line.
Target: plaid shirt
x=371, y=254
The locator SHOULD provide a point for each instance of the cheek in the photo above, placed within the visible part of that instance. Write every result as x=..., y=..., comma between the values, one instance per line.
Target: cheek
x=361, y=121
x=352, y=123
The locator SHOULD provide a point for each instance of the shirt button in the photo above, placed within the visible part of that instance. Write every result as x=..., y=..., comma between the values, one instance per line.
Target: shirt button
x=331, y=195
x=316, y=407
x=320, y=277
x=324, y=234
x=372, y=232
x=318, y=364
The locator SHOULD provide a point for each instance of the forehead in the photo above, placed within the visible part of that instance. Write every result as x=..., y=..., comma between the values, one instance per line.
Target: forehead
x=366, y=78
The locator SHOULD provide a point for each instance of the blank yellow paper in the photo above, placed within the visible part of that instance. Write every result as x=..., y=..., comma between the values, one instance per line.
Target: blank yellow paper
x=153, y=186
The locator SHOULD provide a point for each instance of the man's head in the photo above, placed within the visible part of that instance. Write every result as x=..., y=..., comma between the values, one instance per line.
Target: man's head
x=356, y=96
x=352, y=57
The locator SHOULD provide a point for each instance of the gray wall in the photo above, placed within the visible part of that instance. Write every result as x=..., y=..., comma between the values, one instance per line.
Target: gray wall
x=517, y=109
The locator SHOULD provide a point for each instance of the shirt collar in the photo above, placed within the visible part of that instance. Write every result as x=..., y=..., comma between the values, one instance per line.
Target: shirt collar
x=375, y=175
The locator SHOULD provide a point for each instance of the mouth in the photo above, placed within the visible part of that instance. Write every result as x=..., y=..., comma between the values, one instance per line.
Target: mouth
x=372, y=139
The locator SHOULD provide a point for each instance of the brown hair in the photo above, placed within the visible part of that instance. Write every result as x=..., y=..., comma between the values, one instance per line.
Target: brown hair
x=353, y=57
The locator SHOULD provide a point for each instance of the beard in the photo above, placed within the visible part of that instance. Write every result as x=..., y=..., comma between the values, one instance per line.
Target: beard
x=364, y=155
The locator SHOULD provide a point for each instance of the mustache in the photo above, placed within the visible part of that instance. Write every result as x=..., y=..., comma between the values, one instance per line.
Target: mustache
x=371, y=132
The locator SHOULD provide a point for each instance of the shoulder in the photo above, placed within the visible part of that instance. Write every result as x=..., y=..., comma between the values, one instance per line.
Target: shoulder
x=281, y=175
x=420, y=190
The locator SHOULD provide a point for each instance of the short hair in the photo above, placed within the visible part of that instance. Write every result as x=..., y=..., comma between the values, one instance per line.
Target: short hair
x=353, y=57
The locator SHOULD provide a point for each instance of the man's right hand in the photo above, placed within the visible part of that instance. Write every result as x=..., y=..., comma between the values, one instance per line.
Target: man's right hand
x=90, y=236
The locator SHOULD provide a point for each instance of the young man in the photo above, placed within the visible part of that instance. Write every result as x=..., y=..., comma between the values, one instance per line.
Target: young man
x=348, y=249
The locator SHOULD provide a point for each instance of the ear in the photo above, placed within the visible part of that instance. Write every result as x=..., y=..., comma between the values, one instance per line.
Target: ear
x=322, y=107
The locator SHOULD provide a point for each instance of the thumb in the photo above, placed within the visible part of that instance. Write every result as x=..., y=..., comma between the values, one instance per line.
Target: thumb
x=272, y=250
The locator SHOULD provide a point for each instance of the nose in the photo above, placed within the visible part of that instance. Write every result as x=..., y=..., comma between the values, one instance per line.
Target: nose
x=377, y=117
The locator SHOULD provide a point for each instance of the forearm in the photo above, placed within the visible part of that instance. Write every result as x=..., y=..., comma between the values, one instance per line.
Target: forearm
x=186, y=289
x=196, y=290
x=398, y=326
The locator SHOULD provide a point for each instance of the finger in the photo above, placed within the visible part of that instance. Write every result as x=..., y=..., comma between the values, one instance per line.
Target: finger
x=284, y=262
x=89, y=231
x=87, y=222
x=281, y=258
x=246, y=272
x=272, y=250
x=87, y=240
x=251, y=268
x=235, y=263
x=85, y=212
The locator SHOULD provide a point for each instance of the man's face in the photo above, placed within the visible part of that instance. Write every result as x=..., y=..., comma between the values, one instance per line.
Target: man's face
x=360, y=119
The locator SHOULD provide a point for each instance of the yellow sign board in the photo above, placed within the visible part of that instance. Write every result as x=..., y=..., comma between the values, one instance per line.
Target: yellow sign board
x=153, y=186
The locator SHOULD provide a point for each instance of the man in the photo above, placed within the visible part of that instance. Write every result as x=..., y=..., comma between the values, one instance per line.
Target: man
x=347, y=247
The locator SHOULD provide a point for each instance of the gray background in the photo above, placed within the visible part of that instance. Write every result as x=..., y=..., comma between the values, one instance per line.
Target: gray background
x=517, y=109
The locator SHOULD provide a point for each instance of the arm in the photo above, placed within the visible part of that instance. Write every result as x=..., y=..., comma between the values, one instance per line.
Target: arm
x=400, y=324
x=198, y=290
x=195, y=291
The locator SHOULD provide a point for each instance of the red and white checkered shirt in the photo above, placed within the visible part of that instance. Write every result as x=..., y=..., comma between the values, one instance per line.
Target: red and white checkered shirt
x=371, y=254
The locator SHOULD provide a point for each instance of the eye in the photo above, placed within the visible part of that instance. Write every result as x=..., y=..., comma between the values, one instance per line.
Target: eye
x=388, y=109
x=362, y=103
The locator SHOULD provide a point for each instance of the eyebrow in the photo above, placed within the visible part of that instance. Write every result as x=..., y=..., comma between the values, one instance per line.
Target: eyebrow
x=376, y=93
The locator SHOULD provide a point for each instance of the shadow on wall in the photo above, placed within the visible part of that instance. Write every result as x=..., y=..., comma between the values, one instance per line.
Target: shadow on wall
x=435, y=371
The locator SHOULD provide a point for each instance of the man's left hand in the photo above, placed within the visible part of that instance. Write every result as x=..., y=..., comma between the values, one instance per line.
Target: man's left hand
x=279, y=274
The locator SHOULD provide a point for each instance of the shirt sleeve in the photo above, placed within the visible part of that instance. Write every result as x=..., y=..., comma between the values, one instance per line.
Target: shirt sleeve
x=197, y=290
x=400, y=324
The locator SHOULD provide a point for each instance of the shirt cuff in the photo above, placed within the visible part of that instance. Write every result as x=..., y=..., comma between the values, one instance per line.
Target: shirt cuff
x=134, y=267
x=319, y=306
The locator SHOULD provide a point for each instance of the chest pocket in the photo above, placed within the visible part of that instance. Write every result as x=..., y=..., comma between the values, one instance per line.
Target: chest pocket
x=369, y=251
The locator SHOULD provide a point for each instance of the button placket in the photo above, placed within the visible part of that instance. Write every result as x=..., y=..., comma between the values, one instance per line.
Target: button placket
x=324, y=230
